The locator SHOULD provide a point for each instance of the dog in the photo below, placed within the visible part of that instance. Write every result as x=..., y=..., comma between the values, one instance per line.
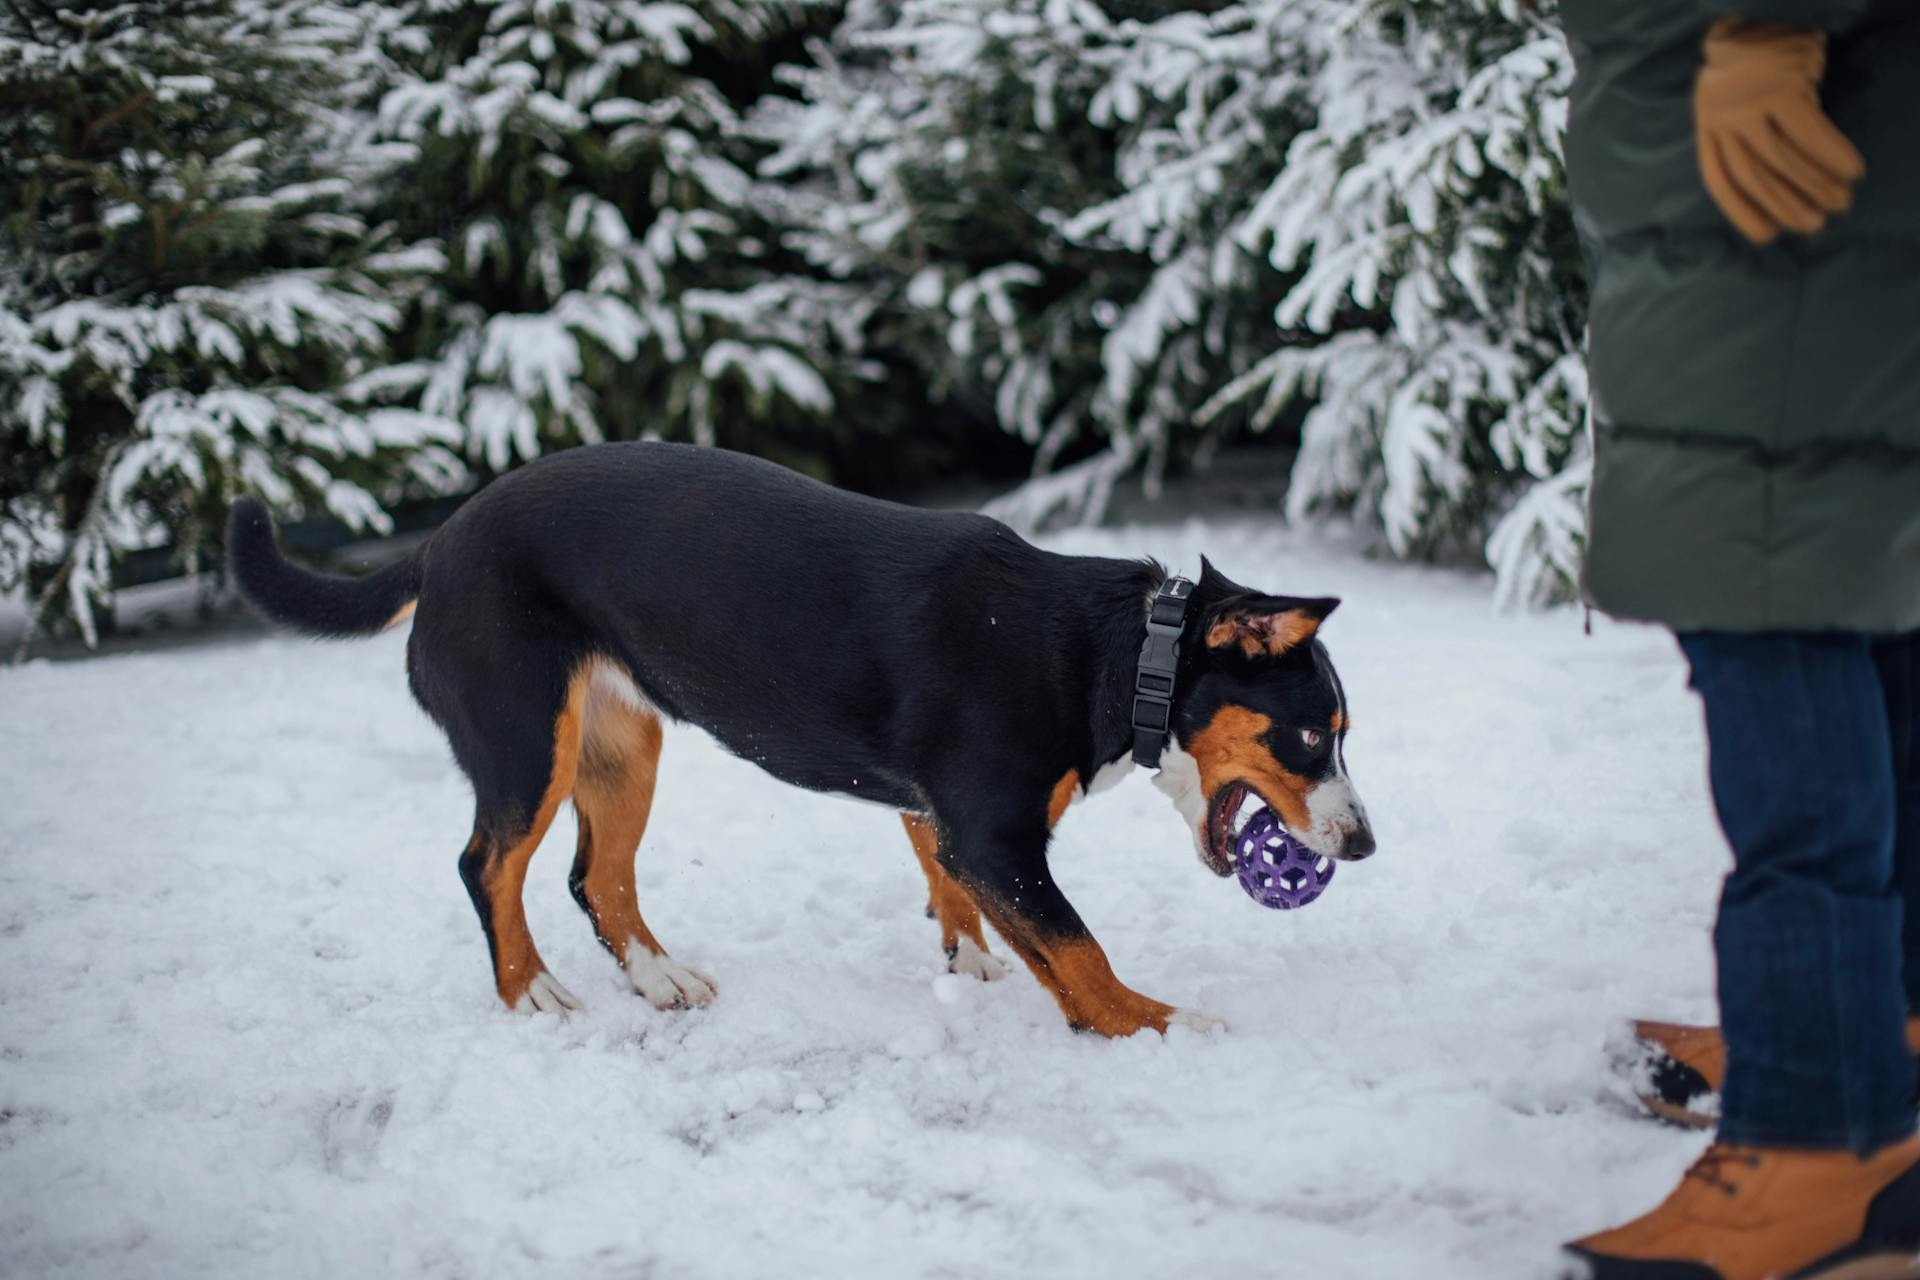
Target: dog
x=930, y=661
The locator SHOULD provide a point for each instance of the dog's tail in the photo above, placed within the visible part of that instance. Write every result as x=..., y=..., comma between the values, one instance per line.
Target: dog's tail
x=316, y=603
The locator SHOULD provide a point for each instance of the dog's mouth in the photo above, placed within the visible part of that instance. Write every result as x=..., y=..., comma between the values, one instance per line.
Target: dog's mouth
x=1228, y=812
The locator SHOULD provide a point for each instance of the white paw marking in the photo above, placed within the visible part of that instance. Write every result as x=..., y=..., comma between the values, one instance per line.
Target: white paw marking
x=545, y=995
x=665, y=983
x=1204, y=1023
x=969, y=960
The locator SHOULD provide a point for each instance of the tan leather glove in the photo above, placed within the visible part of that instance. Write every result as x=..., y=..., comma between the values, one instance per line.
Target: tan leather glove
x=1771, y=158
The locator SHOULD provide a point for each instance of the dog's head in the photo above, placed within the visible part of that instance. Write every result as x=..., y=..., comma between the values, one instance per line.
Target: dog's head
x=1261, y=716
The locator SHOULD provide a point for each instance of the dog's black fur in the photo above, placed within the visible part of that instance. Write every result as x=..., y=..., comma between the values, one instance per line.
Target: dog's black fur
x=930, y=661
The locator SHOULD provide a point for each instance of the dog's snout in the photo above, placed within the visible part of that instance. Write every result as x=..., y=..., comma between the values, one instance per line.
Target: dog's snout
x=1358, y=844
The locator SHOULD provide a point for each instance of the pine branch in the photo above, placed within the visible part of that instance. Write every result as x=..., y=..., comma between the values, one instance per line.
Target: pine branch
x=37, y=615
x=42, y=603
x=112, y=118
x=25, y=21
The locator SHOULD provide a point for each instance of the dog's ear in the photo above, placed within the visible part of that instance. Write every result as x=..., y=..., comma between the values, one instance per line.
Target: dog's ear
x=1215, y=586
x=1254, y=626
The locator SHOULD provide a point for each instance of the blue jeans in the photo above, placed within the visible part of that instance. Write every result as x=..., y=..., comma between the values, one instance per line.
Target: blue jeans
x=1816, y=777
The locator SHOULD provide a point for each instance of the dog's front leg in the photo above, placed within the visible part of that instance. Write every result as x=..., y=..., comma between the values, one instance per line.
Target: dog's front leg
x=1004, y=867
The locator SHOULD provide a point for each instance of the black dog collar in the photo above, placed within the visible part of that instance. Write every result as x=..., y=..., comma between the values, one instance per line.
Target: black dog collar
x=1153, y=679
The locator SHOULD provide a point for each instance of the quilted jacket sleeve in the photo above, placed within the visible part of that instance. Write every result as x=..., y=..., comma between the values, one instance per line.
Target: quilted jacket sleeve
x=1821, y=15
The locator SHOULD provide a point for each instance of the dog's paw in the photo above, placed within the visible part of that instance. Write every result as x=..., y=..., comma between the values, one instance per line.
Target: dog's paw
x=545, y=995
x=1193, y=1019
x=665, y=983
x=971, y=960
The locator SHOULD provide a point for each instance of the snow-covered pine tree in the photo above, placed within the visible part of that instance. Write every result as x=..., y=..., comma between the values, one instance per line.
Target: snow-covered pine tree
x=958, y=161
x=184, y=289
x=607, y=275
x=1438, y=313
x=1149, y=229
x=1202, y=106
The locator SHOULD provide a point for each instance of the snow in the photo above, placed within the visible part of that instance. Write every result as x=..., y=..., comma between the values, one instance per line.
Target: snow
x=247, y=1026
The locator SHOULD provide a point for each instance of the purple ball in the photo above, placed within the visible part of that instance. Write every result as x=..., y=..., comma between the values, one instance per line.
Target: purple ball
x=1275, y=869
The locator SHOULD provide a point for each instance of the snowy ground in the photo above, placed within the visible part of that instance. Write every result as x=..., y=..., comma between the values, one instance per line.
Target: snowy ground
x=247, y=1026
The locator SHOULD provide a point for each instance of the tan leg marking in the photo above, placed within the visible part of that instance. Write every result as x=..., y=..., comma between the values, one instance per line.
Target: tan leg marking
x=613, y=796
x=949, y=902
x=952, y=905
x=1076, y=971
x=1063, y=795
x=517, y=964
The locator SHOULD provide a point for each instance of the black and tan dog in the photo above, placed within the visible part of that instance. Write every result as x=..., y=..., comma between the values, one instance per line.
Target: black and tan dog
x=930, y=661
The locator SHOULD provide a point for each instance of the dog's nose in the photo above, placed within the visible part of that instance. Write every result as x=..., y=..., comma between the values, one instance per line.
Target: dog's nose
x=1359, y=844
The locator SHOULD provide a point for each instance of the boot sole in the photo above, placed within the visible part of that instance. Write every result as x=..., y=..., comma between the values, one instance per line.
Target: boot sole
x=1685, y=1119
x=1888, y=1266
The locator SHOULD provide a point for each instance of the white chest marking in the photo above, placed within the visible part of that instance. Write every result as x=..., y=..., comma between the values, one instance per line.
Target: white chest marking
x=1108, y=775
x=1178, y=778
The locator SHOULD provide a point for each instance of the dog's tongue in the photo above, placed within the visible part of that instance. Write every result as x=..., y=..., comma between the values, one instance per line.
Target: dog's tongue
x=1276, y=870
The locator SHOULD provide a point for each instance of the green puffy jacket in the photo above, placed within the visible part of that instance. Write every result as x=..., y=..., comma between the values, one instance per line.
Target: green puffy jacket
x=1756, y=411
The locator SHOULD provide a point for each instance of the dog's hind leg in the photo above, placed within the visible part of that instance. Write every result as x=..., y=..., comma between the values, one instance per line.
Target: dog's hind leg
x=951, y=906
x=513, y=812
x=613, y=795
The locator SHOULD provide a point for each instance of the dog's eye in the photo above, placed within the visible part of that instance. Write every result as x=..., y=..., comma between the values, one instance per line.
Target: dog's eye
x=1313, y=738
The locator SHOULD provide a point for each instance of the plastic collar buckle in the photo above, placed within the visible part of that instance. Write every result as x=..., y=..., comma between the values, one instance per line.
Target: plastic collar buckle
x=1153, y=678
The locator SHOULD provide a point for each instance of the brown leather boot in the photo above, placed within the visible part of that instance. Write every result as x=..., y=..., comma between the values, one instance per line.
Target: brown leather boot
x=1682, y=1069
x=1752, y=1213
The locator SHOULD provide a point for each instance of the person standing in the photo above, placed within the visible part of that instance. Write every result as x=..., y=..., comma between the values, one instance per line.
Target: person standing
x=1746, y=182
